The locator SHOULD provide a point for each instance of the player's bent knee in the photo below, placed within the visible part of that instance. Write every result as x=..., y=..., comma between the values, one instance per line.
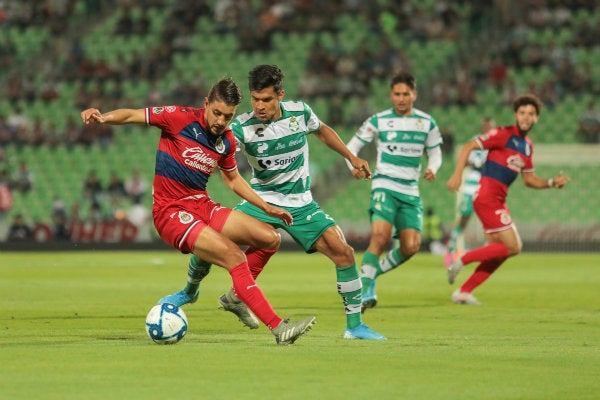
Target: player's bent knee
x=514, y=250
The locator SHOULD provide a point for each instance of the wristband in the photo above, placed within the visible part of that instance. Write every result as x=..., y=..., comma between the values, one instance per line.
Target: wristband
x=551, y=183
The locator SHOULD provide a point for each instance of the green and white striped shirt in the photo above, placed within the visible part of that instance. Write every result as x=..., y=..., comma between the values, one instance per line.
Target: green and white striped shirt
x=401, y=142
x=278, y=153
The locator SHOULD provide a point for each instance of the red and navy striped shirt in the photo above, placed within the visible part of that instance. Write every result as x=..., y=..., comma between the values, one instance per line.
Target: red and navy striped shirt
x=187, y=153
x=510, y=153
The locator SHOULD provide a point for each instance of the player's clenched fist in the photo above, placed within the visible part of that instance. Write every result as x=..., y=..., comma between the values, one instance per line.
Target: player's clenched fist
x=91, y=115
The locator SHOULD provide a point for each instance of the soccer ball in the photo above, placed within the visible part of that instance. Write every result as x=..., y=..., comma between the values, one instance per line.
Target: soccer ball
x=166, y=324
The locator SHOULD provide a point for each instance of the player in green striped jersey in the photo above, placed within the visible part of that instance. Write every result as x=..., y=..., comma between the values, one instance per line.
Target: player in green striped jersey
x=274, y=138
x=402, y=133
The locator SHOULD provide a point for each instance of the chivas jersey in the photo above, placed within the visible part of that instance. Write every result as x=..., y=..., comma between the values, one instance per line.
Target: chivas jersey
x=510, y=153
x=187, y=153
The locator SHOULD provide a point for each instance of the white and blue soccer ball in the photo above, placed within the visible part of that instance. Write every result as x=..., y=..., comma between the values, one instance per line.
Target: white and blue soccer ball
x=166, y=324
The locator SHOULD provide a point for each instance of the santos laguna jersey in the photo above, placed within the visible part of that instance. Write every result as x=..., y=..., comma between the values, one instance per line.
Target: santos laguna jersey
x=278, y=153
x=401, y=142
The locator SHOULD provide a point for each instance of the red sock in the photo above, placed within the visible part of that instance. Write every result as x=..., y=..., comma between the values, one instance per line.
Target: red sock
x=481, y=274
x=485, y=253
x=257, y=259
x=247, y=290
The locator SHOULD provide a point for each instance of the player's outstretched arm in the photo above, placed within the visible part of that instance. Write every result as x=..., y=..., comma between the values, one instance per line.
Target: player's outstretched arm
x=239, y=186
x=533, y=181
x=461, y=161
x=116, y=117
x=331, y=139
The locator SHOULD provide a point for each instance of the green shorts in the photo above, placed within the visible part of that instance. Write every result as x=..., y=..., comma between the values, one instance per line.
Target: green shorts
x=465, y=204
x=310, y=222
x=402, y=211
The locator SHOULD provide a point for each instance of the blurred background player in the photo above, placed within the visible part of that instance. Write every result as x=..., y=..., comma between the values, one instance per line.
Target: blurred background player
x=403, y=134
x=510, y=152
x=464, y=198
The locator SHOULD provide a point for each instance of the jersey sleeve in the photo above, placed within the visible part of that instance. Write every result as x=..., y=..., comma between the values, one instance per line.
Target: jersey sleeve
x=529, y=160
x=165, y=118
x=313, y=123
x=368, y=130
x=228, y=161
x=493, y=139
x=434, y=136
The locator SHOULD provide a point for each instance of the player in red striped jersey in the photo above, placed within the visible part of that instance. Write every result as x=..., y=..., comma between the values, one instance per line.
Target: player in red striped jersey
x=510, y=153
x=195, y=142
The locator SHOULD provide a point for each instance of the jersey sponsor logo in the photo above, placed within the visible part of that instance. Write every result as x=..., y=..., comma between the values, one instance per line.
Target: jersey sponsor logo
x=259, y=132
x=264, y=164
x=185, y=218
x=515, y=163
x=391, y=136
x=406, y=150
x=196, y=158
x=280, y=146
x=157, y=110
x=276, y=162
x=295, y=142
x=170, y=109
x=261, y=148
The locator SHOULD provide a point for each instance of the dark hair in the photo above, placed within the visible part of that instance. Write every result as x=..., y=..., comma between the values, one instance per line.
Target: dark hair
x=264, y=76
x=406, y=78
x=226, y=91
x=528, y=99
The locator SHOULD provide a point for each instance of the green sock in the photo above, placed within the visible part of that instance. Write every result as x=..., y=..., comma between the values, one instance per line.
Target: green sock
x=392, y=260
x=197, y=270
x=349, y=287
x=370, y=270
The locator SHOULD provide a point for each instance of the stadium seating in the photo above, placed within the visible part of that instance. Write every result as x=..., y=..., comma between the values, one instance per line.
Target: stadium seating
x=61, y=171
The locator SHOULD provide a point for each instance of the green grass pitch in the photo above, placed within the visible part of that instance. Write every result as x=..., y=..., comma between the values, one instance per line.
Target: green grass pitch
x=72, y=327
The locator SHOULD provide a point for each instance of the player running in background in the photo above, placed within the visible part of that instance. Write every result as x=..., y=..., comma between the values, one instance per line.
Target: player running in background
x=274, y=138
x=510, y=152
x=194, y=143
x=464, y=198
x=402, y=133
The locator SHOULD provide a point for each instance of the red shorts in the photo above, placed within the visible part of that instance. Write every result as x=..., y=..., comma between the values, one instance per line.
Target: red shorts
x=494, y=215
x=181, y=221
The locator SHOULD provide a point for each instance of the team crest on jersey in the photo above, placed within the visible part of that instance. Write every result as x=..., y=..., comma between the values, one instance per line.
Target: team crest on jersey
x=157, y=110
x=504, y=216
x=294, y=125
x=219, y=145
x=420, y=124
x=185, y=218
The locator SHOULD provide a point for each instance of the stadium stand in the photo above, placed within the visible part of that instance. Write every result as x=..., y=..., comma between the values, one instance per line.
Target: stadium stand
x=439, y=50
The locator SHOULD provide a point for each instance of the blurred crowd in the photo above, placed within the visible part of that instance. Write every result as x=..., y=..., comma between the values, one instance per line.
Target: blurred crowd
x=500, y=33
